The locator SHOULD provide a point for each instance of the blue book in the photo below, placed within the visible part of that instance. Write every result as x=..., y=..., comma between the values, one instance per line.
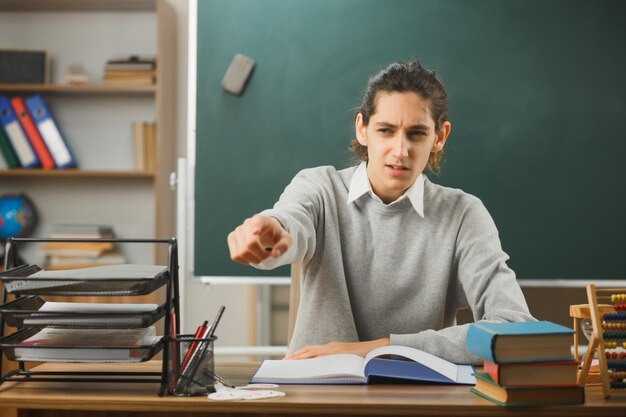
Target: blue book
x=384, y=364
x=534, y=341
x=14, y=132
x=50, y=133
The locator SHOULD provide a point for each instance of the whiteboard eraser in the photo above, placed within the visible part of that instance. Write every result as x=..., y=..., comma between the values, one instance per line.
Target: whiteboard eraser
x=237, y=74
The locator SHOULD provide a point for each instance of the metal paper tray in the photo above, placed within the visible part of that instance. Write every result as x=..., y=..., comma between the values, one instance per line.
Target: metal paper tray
x=14, y=351
x=24, y=312
x=19, y=282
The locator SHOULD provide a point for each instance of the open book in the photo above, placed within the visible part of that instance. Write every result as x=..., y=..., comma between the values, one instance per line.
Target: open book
x=406, y=364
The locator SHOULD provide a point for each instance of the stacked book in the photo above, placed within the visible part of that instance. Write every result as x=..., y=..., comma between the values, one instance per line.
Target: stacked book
x=130, y=71
x=525, y=364
x=72, y=255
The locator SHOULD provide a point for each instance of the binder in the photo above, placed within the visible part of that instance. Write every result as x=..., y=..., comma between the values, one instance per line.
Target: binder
x=3, y=163
x=32, y=133
x=7, y=151
x=25, y=153
x=60, y=151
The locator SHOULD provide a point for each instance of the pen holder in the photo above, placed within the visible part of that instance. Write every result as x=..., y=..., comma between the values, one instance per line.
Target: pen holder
x=191, y=365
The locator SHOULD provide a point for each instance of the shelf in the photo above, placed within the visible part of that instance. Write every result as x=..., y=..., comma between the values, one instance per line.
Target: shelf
x=78, y=89
x=74, y=173
x=77, y=5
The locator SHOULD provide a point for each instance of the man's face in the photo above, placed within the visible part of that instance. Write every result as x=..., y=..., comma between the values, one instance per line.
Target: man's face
x=400, y=137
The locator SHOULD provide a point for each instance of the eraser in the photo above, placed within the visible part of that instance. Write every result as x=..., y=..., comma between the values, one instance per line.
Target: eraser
x=237, y=74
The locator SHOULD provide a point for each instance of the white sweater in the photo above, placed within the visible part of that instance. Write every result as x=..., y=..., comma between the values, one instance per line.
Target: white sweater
x=371, y=270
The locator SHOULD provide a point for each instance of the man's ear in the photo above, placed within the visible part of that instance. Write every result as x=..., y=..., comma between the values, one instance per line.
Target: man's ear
x=442, y=137
x=360, y=129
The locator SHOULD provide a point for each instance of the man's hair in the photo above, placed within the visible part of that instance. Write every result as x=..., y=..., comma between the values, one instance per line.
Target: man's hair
x=401, y=77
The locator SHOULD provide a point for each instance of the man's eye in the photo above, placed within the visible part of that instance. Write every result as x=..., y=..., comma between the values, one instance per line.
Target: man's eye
x=384, y=130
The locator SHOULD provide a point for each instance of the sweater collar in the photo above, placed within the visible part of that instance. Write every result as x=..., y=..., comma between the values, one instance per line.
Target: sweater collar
x=360, y=185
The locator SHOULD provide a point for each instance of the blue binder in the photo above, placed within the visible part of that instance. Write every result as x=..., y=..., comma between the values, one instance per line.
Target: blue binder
x=21, y=145
x=50, y=133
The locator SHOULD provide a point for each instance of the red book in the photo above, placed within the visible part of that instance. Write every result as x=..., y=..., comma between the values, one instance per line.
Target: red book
x=561, y=373
x=32, y=133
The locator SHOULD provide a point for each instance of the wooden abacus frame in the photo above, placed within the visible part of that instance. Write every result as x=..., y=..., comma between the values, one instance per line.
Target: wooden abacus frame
x=596, y=341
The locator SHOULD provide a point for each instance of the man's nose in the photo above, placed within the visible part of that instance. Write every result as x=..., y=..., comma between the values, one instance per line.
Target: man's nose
x=401, y=147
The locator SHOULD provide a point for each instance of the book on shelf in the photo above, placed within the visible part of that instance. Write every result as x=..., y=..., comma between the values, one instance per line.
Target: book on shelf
x=92, y=249
x=56, y=262
x=32, y=133
x=81, y=231
x=3, y=163
x=533, y=373
x=144, y=146
x=129, y=81
x=131, y=63
x=520, y=342
x=49, y=130
x=14, y=132
x=526, y=395
x=139, y=146
x=86, y=345
x=408, y=364
x=6, y=151
x=130, y=71
x=72, y=255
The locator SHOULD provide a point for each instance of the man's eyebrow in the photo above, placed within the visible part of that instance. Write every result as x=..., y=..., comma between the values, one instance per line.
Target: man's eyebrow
x=419, y=126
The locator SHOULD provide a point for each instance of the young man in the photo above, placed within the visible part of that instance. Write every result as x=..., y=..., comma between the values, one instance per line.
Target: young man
x=387, y=256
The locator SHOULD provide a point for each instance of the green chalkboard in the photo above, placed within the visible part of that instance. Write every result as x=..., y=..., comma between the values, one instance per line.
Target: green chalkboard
x=537, y=93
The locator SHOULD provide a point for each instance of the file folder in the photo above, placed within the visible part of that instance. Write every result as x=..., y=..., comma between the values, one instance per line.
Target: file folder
x=57, y=145
x=32, y=133
x=24, y=151
x=7, y=151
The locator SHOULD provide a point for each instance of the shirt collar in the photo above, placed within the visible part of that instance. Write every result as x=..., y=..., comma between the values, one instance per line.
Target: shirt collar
x=360, y=185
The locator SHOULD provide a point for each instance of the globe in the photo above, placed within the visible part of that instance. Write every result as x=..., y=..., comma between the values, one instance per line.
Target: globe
x=18, y=216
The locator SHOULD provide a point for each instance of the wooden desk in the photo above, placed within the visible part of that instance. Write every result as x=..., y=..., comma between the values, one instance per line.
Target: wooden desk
x=140, y=400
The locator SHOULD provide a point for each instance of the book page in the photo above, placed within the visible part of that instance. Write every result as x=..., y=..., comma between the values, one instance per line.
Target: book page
x=303, y=369
x=441, y=366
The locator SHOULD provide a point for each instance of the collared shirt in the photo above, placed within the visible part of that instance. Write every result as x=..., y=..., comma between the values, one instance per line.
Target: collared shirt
x=360, y=185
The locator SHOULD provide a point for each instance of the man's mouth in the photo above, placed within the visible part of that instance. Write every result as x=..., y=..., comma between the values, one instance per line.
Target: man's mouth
x=397, y=167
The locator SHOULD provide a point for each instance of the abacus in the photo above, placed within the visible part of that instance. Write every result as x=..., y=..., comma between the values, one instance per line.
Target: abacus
x=608, y=339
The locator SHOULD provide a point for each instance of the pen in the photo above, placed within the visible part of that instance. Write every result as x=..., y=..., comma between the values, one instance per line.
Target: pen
x=199, y=352
x=192, y=347
x=215, y=322
x=201, y=329
x=217, y=378
x=187, y=372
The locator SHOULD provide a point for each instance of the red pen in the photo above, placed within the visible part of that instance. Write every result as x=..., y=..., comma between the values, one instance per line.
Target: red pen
x=201, y=330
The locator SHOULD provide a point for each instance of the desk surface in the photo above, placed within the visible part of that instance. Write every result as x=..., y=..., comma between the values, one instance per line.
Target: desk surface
x=300, y=399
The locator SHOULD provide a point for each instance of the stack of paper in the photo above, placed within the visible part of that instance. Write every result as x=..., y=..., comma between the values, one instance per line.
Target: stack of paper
x=87, y=345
